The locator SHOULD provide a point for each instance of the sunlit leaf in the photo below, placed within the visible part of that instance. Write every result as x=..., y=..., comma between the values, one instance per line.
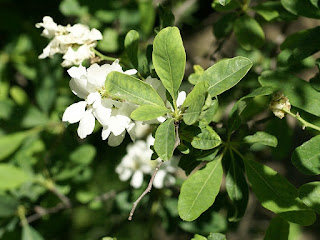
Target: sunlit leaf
x=165, y=139
x=199, y=191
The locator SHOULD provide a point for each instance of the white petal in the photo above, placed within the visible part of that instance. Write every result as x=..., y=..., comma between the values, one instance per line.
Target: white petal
x=114, y=141
x=105, y=132
x=86, y=124
x=131, y=129
x=97, y=75
x=125, y=174
x=93, y=97
x=74, y=112
x=131, y=72
x=159, y=179
x=137, y=179
x=77, y=86
x=102, y=114
x=77, y=72
x=181, y=97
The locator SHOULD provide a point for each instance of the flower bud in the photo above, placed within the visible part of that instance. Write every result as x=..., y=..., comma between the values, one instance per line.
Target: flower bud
x=279, y=104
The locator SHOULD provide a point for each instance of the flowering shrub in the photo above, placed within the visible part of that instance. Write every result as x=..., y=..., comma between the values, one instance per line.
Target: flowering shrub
x=203, y=145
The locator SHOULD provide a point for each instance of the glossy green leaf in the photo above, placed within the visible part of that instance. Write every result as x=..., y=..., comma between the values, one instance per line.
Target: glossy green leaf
x=301, y=8
x=237, y=189
x=208, y=111
x=83, y=155
x=148, y=112
x=147, y=16
x=198, y=237
x=299, y=92
x=228, y=7
x=239, y=109
x=11, y=177
x=193, y=77
x=169, y=59
x=307, y=157
x=194, y=103
x=29, y=233
x=315, y=3
x=10, y=143
x=294, y=48
x=273, y=10
x=261, y=138
x=225, y=74
x=129, y=88
x=8, y=206
x=165, y=139
x=199, y=191
x=248, y=32
x=224, y=2
x=278, y=229
x=207, y=139
x=131, y=44
x=166, y=17
x=224, y=25
x=217, y=236
x=277, y=194
x=309, y=193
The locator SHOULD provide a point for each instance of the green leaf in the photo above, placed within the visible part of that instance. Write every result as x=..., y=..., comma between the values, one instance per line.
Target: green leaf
x=278, y=229
x=217, y=236
x=225, y=74
x=29, y=233
x=19, y=95
x=166, y=17
x=271, y=11
x=169, y=59
x=193, y=78
x=194, y=102
x=165, y=139
x=10, y=143
x=207, y=139
x=315, y=3
x=294, y=48
x=237, y=189
x=83, y=155
x=8, y=206
x=11, y=177
x=228, y=7
x=199, y=191
x=198, y=237
x=307, y=157
x=262, y=138
x=131, y=44
x=147, y=16
x=248, y=32
x=224, y=2
x=309, y=193
x=301, y=8
x=148, y=112
x=277, y=194
x=239, y=109
x=299, y=92
x=109, y=41
x=224, y=25
x=129, y=88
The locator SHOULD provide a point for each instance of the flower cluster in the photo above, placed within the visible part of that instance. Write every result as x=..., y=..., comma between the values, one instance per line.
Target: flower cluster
x=137, y=162
x=113, y=115
x=75, y=42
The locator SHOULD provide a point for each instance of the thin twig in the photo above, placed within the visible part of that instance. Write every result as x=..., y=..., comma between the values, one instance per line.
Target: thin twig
x=64, y=199
x=40, y=211
x=105, y=196
x=148, y=189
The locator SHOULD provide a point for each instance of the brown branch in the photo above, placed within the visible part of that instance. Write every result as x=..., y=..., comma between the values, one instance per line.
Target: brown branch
x=40, y=211
x=105, y=196
x=148, y=189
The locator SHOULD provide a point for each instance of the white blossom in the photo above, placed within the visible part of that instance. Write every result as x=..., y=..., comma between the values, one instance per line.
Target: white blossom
x=88, y=84
x=137, y=162
x=75, y=42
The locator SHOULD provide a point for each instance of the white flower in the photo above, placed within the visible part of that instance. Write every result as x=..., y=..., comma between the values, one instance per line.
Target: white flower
x=88, y=84
x=137, y=162
x=75, y=42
